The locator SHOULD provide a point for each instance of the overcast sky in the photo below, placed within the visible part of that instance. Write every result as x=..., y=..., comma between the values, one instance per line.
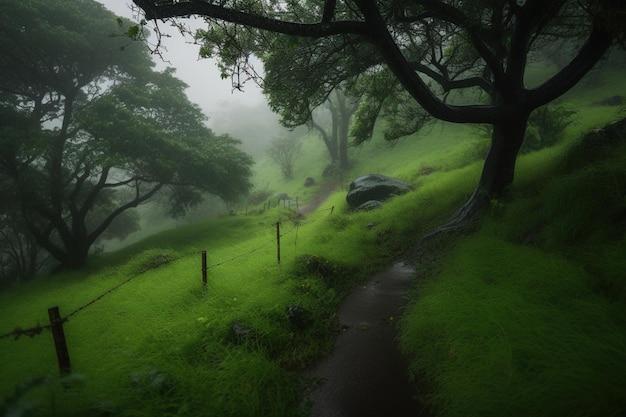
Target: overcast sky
x=214, y=95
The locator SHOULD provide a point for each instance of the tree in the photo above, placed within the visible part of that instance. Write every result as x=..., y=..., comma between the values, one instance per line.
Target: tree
x=88, y=130
x=335, y=134
x=429, y=51
x=284, y=151
x=21, y=258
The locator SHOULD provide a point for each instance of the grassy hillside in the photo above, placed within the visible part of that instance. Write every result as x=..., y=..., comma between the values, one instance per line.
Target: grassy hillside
x=527, y=316
x=147, y=339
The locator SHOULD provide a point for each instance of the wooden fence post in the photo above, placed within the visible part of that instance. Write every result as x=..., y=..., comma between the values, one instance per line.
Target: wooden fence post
x=278, y=241
x=204, y=268
x=60, y=344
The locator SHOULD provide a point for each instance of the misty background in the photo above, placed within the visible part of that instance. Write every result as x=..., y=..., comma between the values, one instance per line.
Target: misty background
x=241, y=113
x=244, y=115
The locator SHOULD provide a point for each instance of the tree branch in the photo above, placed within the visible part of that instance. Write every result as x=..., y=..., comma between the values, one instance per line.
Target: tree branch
x=131, y=204
x=441, y=10
x=448, y=84
x=403, y=70
x=590, y=53
x=163, y=10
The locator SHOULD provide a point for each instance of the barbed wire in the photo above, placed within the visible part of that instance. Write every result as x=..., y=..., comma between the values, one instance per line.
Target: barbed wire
x=240, y=255
x=38, y=328
x=31, y=332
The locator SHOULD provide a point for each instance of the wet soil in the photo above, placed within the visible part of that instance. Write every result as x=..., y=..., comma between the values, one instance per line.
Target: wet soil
x=365, y=375
x=319, y=198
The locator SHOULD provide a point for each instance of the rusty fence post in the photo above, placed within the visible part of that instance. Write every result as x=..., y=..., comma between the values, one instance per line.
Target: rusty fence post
x=60, y=343
x=278, y=242
x=204, y=268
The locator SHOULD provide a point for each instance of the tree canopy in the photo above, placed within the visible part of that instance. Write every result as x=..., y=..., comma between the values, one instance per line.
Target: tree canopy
x=454, y=60
x=89, y=130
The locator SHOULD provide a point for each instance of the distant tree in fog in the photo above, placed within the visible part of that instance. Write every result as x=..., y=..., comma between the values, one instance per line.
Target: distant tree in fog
x=335, y=133
x=284, y=151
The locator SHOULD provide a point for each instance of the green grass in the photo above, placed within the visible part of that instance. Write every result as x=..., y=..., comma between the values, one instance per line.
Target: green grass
x=161, y=345
x=520, y=319
x=526, y=316
x=512, y=330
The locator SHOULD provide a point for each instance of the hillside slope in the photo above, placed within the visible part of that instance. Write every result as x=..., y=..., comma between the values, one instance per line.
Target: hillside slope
x=147, y=338
x=527, y=316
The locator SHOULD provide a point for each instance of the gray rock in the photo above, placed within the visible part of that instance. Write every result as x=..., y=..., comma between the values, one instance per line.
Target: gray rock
x=375, y=187
x=612, y=101
x=300, y=318
x=370, y=205
x=240, y=333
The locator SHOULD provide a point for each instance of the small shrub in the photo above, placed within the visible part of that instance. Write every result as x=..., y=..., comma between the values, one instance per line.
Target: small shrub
x=546, y=127
x=596, y=145
x=315, y=265
x=259, y=196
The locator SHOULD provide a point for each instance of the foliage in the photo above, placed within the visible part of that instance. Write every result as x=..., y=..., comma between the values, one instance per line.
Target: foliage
x=90, y=130
x=316, y=265
x=546, y=127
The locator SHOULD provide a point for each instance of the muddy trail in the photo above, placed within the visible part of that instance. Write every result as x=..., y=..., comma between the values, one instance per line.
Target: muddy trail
x=319, y=198
x=365, y=375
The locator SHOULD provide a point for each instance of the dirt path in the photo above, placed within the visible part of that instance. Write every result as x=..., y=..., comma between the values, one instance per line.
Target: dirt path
x=365, y=375
x=320, y=196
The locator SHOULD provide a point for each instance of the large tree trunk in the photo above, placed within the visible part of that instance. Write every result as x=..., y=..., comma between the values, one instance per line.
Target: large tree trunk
x=331, y=143
x=74, y=258
x=497, y=174
x=499, y=167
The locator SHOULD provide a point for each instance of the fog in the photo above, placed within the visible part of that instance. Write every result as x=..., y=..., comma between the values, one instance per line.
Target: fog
x=242, y=114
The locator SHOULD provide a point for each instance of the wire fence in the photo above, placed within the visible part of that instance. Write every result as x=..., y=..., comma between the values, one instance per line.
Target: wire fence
x=56, y=321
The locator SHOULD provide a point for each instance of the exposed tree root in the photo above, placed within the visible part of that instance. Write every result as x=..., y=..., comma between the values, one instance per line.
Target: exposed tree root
x=462, y=220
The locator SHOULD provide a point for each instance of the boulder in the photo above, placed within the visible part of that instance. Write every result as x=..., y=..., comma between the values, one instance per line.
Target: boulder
x=375, y=187
x=612, y=101
x=309, y=182
x=370, y=205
